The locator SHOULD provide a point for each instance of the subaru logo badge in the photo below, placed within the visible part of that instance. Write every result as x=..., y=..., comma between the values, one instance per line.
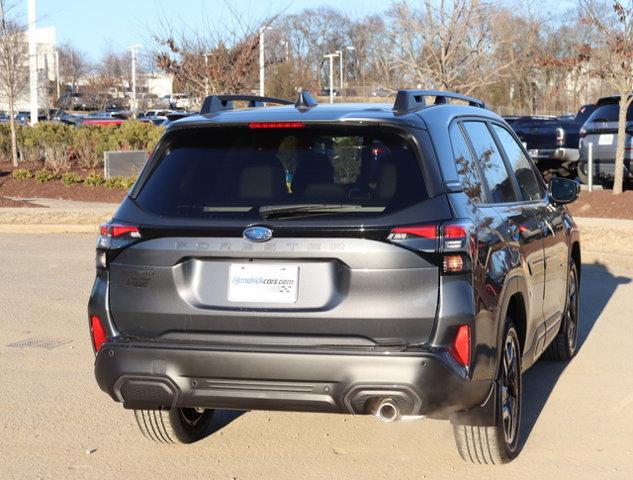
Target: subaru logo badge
x=257, y=234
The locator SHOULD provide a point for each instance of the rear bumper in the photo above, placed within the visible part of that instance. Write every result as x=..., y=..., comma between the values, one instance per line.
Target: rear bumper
x=606, y=168
x=150, y=375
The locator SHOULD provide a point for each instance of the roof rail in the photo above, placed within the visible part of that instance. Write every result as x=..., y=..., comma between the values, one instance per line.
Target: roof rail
x=410, y=100
x=219, y=103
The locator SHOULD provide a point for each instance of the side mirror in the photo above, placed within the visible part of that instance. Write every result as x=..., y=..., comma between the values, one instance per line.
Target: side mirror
x=563, y=190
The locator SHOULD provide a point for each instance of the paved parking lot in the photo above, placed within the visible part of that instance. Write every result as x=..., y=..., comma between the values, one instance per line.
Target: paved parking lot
x=55, y=423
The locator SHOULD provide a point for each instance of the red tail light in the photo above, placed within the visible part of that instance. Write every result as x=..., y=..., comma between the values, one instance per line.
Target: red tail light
x=454, y=231
x=97, y=333
x=115, y=230
x=421, y=231
x=460, y=350
x=256, y=125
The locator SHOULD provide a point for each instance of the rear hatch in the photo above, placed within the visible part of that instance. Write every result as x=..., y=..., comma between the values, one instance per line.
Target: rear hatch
x=315, y=268
x=601, y=130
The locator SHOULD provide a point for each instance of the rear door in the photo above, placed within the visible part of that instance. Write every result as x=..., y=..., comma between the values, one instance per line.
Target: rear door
x=520, y=227
x=328, y=198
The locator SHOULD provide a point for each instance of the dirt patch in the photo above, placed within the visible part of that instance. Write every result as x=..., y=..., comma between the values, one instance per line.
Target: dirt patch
x=603, y=204
x=7, y=202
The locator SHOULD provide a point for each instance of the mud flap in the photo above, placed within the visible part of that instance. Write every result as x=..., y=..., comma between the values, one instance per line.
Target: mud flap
x=485, y=415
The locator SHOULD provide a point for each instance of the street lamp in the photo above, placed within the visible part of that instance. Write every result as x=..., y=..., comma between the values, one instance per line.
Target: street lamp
x=331, y=57
x=134, y=103
x=261, y=59
x=340, y=53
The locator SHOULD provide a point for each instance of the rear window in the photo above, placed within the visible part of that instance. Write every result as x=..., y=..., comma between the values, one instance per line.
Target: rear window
x=609, y=113
x=237, y=172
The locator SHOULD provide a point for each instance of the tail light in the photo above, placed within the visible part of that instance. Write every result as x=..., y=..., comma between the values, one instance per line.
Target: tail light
x=97, y=333
x=460, y=348
x=112, y=238
x=456, y=241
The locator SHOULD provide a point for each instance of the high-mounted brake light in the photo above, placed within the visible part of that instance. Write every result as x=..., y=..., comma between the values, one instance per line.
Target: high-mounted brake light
x=256, y=125
x=421, y=231
x=460, y=349
x=97, y=333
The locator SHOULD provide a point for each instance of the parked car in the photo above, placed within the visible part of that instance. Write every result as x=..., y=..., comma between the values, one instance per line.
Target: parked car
x=76, y=101
x=325, y=92
x=601, y=130
x=104, y=118
x=176, y=101
x=24, y=118
x=369, y=259
x=552, y=141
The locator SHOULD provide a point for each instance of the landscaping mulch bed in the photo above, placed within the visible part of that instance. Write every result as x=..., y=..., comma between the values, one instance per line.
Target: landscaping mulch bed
x=603, y=204
x=30, y=188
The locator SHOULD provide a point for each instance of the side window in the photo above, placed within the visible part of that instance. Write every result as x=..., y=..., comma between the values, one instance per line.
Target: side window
x=466, y=168
x=491, y=163
x=523, y=171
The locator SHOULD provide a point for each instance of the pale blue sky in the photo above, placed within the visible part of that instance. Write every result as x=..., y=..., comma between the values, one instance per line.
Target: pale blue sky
x=94, y=25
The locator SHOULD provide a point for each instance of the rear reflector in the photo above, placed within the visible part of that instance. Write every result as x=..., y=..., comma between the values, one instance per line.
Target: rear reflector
x=460, y=350
x=422, y=231
x=97, y=333
x=256, y=125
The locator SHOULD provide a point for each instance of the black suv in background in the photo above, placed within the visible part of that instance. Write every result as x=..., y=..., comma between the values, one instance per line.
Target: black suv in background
x=552, y=141
x=405, y=261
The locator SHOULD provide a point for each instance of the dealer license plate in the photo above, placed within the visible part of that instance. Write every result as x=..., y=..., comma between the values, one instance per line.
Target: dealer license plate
x=257, y=283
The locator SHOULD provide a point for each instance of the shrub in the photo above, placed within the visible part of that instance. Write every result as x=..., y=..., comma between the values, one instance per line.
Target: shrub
x=71, y=178
x=93, y=179
x=22, y=173
x=45, y=175
x=120, y=182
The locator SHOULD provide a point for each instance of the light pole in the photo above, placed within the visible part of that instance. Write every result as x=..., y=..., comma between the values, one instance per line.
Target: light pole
x=341, y=65
x=133, y=103
x=206, y=74
x=261, y=60
x=33, y=83
x=331, y=57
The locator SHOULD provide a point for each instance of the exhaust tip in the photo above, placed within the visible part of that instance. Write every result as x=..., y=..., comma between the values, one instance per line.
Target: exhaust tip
x=385, y=409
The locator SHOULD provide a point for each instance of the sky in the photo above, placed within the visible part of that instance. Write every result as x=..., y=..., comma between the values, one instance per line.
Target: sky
x=93, y=26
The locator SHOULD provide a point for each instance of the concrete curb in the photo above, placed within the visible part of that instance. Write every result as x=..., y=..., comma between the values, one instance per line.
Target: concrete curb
x=45, y=228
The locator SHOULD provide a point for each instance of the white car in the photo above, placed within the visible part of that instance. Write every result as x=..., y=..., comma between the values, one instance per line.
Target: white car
x=178, y=100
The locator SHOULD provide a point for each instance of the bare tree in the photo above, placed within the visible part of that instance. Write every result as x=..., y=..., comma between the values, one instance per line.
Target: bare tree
x=72, y=65
x=13, y=68
x=611, y=59
x=447, y=44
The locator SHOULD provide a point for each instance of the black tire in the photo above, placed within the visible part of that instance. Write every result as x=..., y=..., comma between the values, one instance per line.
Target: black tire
x=498, y=444
x=565, y=345
x=175, y=426
x=583, y=174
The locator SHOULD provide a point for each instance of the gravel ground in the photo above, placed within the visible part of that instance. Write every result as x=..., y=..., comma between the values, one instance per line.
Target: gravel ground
x=55, y=423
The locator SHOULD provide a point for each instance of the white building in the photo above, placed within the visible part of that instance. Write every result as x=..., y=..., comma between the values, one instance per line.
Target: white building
x=46, y=70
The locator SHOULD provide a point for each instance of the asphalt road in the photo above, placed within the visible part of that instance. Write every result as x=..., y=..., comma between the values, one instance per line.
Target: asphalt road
x=55, y=422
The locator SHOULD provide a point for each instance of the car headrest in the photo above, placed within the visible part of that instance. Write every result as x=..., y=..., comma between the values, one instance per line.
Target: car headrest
x=311, y=169
x=264, y=179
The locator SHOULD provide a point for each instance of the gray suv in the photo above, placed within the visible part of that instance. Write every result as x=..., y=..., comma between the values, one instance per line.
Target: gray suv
x=404, y=260
x=601, y=130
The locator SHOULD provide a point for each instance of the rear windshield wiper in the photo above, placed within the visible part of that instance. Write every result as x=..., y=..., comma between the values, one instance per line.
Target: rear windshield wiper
x=268, y=211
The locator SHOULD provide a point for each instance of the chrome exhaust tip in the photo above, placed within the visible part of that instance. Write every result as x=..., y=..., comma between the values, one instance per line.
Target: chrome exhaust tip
x=386, y=410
